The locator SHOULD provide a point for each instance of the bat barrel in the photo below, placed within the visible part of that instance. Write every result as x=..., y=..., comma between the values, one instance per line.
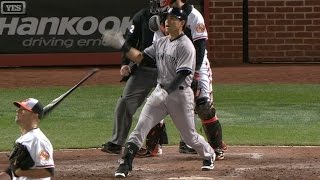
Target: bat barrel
x=54, y=103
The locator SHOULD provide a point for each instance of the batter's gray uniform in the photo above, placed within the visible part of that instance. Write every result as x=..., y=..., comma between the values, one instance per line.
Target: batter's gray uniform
x=172, y=57
x=196, y=31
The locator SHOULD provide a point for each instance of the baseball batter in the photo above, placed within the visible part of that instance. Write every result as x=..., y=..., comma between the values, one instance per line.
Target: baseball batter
x=196, y=31
x=32, y=157
x=175, y=58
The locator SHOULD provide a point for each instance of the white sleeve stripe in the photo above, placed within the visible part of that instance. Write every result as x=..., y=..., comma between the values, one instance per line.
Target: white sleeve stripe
x=183, y=68
x=200, y=37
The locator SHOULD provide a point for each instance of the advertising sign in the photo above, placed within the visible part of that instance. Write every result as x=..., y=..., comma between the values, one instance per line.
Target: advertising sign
x=62, y=26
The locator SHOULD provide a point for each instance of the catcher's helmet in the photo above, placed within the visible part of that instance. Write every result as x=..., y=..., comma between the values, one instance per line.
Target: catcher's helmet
x=179, y=13
x=159, y=6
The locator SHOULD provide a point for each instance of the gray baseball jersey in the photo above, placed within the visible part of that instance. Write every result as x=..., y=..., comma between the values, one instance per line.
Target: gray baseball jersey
x=172, y=57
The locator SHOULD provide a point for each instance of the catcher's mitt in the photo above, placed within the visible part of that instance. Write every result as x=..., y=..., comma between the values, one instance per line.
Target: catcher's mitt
x=20, y=158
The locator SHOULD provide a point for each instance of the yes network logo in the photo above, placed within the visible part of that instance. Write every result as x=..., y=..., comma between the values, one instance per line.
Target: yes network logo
x=13, y=7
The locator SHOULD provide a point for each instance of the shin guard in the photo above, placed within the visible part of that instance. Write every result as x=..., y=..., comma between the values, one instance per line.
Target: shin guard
x=213, y=131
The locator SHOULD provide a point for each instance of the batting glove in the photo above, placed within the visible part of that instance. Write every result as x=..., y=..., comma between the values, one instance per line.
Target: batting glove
x=196, y=75
x=113, y=39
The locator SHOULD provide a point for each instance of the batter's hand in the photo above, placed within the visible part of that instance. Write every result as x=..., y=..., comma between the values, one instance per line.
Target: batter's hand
x=113, y=39
x=196, y=75
x=158, y=97
x=125, y=70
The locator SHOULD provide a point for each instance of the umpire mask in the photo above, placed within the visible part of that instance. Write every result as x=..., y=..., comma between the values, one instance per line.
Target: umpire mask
x=159, y=6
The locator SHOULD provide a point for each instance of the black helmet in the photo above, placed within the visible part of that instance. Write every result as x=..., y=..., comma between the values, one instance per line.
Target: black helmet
x=179, y=13
x=159, y=6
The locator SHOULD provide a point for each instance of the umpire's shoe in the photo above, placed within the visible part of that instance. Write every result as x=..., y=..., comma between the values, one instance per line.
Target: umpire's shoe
x=185, y=149
x=208, y=164
x=111, y=148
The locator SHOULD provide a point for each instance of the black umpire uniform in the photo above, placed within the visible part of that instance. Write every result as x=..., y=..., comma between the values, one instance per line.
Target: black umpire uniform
x=142, y=80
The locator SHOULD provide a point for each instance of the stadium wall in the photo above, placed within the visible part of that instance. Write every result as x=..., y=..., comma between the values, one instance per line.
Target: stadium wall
x=279, y=31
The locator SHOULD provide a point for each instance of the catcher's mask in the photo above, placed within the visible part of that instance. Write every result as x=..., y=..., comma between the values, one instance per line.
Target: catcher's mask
x=159, y=6
x=32, y=105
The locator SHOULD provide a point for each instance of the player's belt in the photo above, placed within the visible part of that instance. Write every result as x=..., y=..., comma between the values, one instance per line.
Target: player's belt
x=180, y=87
x=151, y=65
x=148, y=68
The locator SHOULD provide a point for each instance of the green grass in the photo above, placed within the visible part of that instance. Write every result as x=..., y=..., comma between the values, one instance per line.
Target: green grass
x=272, y=114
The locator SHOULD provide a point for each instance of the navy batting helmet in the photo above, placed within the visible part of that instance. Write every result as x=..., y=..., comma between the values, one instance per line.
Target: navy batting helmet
x=179, y=13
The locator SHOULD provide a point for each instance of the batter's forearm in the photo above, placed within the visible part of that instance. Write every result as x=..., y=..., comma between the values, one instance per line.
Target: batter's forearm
x=175, y=83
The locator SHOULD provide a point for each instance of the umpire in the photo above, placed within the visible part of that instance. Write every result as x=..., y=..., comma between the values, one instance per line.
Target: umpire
x=140, y=81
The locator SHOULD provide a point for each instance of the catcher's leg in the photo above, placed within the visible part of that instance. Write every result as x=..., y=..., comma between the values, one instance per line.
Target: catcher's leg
x=207, y=115
x=156, y=137
x=211, y=125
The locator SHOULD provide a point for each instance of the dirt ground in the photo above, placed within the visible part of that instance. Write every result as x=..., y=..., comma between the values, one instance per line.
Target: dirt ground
x=240, y=162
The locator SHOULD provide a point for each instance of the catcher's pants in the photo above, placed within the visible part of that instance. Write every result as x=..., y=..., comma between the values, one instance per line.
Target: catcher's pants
x=205, y=81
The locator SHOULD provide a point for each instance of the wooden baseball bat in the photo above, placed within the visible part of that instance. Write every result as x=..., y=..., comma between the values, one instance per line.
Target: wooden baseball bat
x=54, y=103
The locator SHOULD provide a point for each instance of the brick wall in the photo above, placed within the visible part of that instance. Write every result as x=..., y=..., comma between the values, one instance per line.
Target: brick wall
x=279, y=31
